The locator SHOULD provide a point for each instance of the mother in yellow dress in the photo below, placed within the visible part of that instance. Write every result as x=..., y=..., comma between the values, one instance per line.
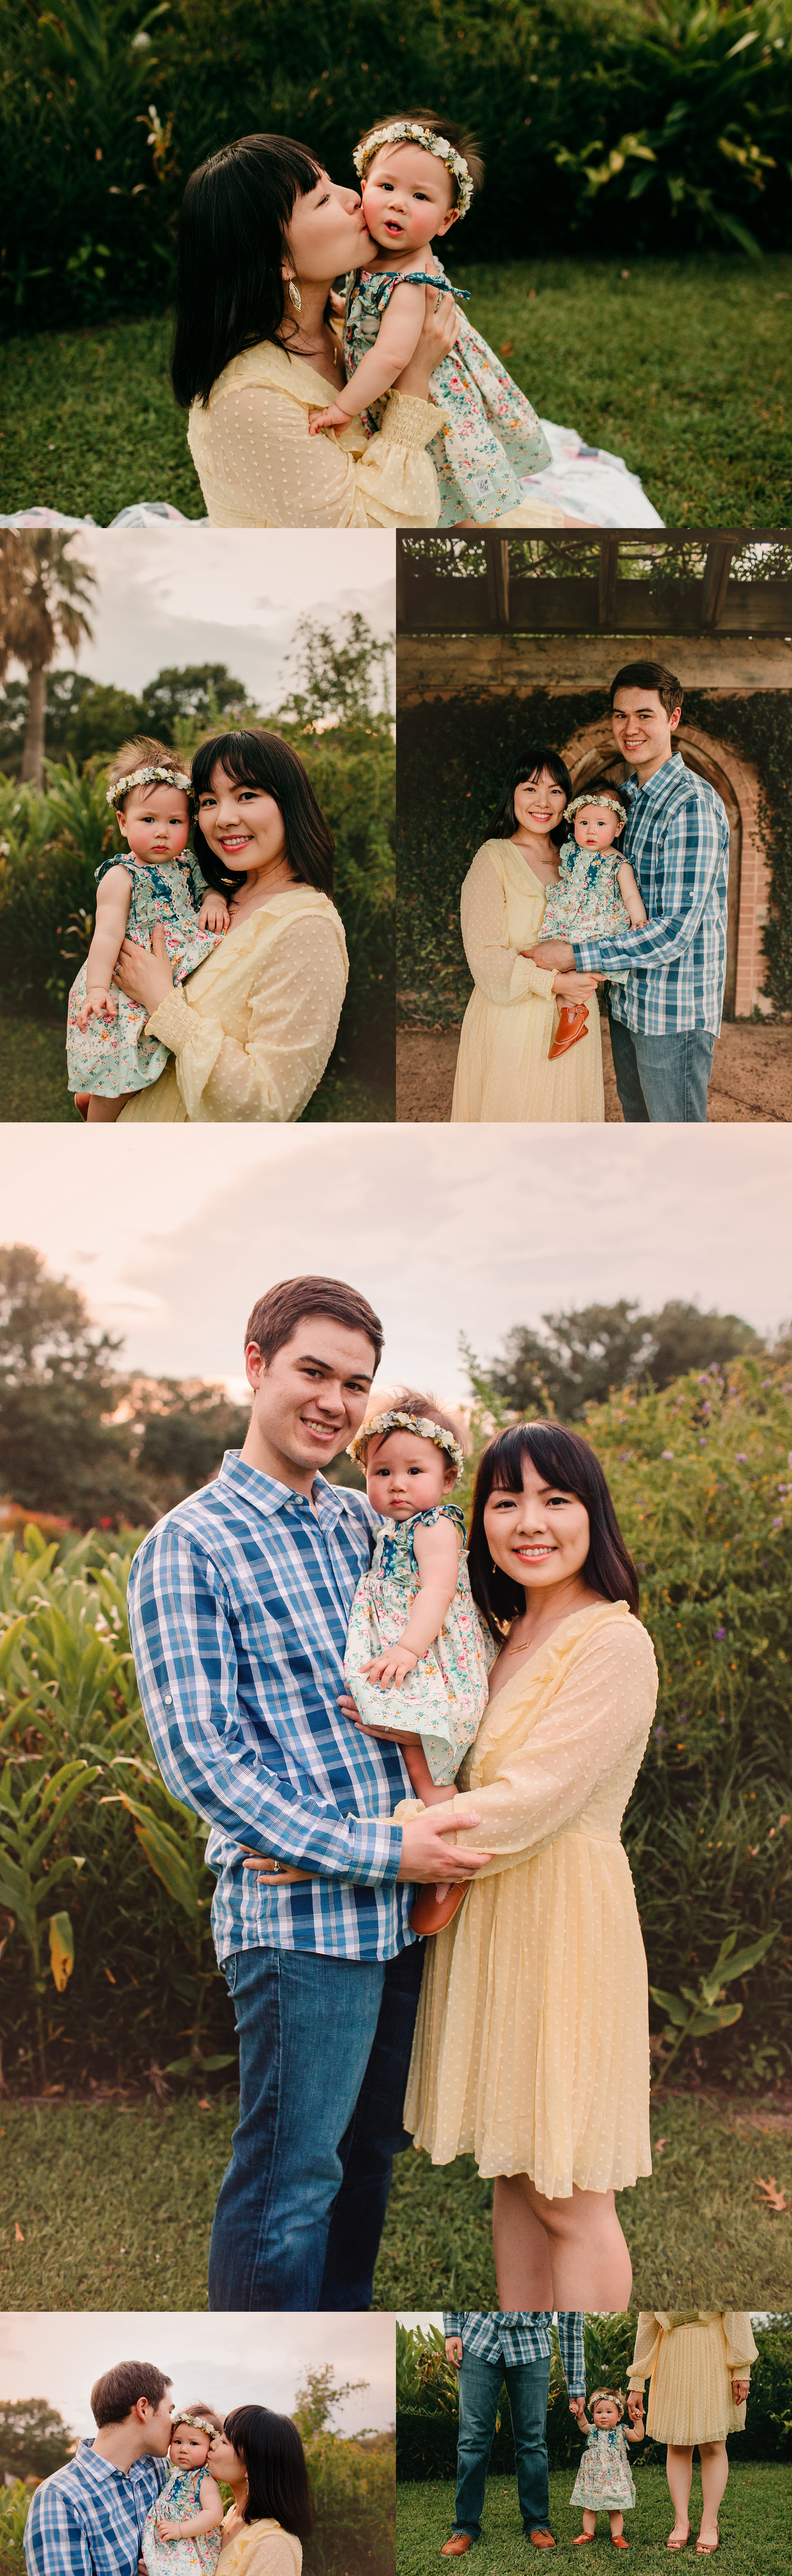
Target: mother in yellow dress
x=504, y=1071
x=252, y=1030
x=698, y=2363
x=260, y=2456
x=532, y=2041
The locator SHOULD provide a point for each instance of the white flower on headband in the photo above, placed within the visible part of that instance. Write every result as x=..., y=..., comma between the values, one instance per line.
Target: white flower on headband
x=149, y=778
x=187, y=2415
x=591, y=799
x=420, y=1423
x=437, y=144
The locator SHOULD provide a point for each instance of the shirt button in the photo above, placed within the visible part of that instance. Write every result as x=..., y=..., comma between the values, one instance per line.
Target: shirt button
x=167, y=1701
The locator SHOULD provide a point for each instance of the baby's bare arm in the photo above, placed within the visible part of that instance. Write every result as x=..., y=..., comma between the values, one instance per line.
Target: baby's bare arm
x=211, y=2513
x=396, y=343
x=113, y=898
x=631, y=895
x=437, y=1559
x=633, y=2432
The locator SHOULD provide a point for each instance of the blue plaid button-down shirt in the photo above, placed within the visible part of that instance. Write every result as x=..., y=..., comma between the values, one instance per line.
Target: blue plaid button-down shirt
x=521, y=2334
x=87, y=2520
x=677, y=843
x=239, y=1605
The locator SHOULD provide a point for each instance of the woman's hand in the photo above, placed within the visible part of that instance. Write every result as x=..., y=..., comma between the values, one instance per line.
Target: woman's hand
x=635, y=2406
x=145, y=974
x=740, y=2390
x=440, y=327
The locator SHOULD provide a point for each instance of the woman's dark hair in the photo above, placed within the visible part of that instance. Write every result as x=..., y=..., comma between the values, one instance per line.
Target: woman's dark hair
x=277, y=2474
x=536, y=758
x=257, y=759
x=564, y=1460
x=230, y=292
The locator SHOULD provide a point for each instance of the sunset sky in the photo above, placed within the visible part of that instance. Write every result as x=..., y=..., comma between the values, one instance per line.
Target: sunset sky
x=226, y=2360
x=446, y=1230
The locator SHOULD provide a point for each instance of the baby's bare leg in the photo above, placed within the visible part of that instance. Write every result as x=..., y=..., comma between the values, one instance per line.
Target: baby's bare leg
x=102, y=1113
x=433, y=1792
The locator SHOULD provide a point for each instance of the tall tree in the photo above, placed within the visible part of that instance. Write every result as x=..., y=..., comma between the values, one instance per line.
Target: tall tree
x=44, y=595
x=179, y=702
x=33, y=2438
x=60, y=1449
x=585, y=1350
x=334, y=676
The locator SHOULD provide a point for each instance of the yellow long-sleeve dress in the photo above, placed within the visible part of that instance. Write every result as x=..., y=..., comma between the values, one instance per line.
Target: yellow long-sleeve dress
x=532, y=2040
x=252, y=1030
x=503, y=1068
x=690, y=2359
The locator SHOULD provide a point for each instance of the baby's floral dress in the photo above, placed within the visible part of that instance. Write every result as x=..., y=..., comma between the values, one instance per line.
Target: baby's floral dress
x=604, y=2482
x=587, y=902
x=180, y=2501
x=493, y=436
x=111, y=1056
x=444, y=1697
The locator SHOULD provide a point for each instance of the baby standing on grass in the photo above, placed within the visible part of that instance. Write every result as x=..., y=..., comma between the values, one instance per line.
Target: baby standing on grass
x=604, y=2482
x=155, y=879
x=418, y=176
x=416, y=1660
x=595, y=890
x=181, y=2533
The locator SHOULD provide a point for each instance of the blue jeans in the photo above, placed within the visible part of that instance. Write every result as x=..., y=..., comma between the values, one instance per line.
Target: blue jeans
x=480, y=2384
x=324, y=2049
x=662, y=1079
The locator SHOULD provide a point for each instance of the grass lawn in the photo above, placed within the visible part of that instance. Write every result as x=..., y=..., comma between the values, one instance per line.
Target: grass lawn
x=681, y=366
x=754, y=2523
x=698, y=2232
x=33, y=1082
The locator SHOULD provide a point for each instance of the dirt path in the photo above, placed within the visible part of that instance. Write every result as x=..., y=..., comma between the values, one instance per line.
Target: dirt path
x=751, y=1081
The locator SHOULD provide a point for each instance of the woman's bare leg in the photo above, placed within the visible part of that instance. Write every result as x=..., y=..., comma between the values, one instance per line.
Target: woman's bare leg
x=714, y=2473
x=586, y=2263
x=102, y=1113
x=679, y=2471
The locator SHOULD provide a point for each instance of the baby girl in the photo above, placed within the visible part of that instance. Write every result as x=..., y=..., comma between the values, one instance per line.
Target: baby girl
x=181, y=2532
x=418, y=176
x=155, y=879
x=604, y=2482
x=596, y=888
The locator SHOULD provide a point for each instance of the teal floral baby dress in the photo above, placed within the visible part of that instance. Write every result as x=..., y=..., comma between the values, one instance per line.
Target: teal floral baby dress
x=604, y=2482
x=587, y=902
x=443, y=1699
x=111, y=1056
x=179, y=2501
x=493, y=436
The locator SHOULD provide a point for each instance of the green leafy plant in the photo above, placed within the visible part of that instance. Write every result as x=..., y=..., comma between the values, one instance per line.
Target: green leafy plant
x=699, y=2013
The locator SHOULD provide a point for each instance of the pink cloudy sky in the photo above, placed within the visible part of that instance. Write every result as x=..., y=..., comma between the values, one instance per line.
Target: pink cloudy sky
x=228, y=2360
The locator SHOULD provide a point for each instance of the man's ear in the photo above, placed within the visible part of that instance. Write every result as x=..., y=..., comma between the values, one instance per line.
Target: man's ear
x=255, y=1366
x=675, y=718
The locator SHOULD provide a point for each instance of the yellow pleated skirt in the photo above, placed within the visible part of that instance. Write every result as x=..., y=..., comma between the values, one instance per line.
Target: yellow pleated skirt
x=531, y=2047
x=690, y=2391
x=504, y=1071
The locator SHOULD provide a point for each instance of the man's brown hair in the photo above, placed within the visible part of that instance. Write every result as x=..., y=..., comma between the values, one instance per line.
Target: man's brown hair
x=277, y=1314
x=456, y=135
x=114, y=2395
x=650, y=675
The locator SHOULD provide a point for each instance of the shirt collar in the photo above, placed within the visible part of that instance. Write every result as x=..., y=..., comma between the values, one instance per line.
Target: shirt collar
x=266, y=1496
x=660, y=781
x=86, y=2457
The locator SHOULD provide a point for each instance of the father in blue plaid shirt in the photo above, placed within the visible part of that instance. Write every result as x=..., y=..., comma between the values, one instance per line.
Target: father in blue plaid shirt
x=486, y=2349
x=665, y=1019
x=239, y=1605
x=87, y=2520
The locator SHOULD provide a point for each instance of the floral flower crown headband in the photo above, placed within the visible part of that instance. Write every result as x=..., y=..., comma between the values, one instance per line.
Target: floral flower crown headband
x=421, y=1423
x=607, y=2397
x=434, y=143
x=150, y=778
x=591, y=799
x=186, y=2415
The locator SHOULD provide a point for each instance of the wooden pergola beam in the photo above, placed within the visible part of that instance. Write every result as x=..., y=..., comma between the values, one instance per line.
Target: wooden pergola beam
x=715, y=584
x=497, y=553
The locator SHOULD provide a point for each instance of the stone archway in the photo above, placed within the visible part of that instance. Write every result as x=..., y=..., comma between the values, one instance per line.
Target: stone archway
x=591, y=753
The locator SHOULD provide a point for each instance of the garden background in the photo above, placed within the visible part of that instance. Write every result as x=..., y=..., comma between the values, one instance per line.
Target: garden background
x=630, y=253
x=111, y=1995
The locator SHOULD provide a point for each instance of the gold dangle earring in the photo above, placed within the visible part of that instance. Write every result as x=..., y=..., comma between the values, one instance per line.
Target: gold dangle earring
x=295, y=297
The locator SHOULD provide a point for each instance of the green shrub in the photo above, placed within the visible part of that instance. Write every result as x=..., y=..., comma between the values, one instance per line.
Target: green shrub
x=14, y=2504
x=354, y=2491
x=635, y=126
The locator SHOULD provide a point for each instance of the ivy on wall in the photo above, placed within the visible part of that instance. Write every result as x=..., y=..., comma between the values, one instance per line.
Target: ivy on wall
x=452, y=756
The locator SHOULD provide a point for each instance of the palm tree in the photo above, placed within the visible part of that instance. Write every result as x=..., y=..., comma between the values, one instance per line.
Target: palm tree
x=44, y=591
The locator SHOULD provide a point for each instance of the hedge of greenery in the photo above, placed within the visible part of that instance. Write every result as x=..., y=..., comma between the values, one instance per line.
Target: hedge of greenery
x=454, y=754
x=427, y=2400
x=701, y=1481
x=604, y=122
x=51, y=844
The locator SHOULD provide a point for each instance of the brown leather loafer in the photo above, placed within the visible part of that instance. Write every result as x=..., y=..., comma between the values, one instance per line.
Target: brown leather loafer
x=542, y=2540
x=456, y=2546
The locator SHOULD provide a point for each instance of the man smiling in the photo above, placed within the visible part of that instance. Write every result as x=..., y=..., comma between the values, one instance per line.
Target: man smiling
x=239, y=1604
x=665, y=1019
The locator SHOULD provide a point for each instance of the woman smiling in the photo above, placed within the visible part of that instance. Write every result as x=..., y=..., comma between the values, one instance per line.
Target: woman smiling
x=251, y=1031
x=504, y=1070
x=532, y=2040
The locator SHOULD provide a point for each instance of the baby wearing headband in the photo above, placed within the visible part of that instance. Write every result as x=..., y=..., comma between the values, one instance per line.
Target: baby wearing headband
x=418, y=175
x=595, y=889
x=155, y=879
x=416, y=1659
x=604, y=2482
x=181, y=2534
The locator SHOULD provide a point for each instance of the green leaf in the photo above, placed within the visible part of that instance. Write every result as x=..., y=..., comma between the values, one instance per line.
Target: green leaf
x=671, y=2004
x=738, y=1965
